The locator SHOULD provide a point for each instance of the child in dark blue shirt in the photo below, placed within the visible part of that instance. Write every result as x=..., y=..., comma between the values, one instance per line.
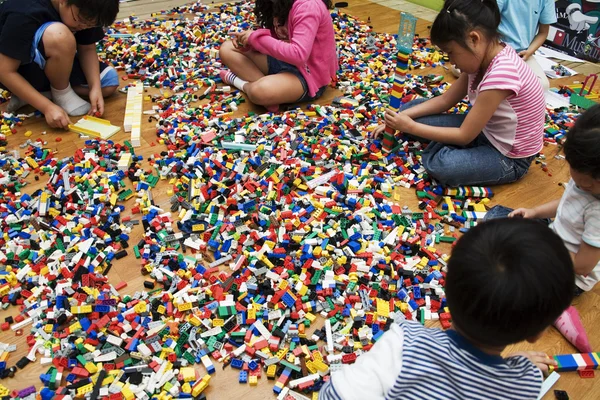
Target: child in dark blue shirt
x=48, y=50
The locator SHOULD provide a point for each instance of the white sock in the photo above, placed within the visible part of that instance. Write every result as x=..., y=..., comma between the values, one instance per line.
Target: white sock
x=232, y=79
x=15, y=103
x=70, y=101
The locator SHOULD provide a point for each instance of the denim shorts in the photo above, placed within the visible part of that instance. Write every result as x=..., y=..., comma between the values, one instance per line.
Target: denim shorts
x=276, y=66
x=33, y=72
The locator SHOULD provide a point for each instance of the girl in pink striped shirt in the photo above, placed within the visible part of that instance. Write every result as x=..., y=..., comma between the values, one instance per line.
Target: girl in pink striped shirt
x=496, y=141
x=291, y=59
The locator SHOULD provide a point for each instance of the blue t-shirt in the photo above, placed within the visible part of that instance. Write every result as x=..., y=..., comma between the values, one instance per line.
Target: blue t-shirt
x=520, y=20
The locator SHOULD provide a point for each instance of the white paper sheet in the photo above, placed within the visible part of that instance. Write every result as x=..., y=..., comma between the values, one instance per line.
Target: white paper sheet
x=550, y=52
x=555, y=100
x=548, y=383
x=547, y=65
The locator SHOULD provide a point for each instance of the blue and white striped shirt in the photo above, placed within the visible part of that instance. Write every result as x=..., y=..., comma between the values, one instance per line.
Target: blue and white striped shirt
x=413, y=362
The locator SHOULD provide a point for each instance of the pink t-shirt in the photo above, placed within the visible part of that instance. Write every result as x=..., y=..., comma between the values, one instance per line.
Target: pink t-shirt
x=310, y=46
x=517, y=127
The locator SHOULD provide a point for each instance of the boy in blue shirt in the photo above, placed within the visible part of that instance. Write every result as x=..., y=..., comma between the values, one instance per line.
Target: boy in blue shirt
x=48, y=50
x=524, y=26
x=506, y=281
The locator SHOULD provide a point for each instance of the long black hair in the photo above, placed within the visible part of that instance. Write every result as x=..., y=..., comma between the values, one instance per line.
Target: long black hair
x=267, y=10
x=458, y=17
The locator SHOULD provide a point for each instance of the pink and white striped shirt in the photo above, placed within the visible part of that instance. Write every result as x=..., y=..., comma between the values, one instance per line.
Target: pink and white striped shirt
x=517, y=127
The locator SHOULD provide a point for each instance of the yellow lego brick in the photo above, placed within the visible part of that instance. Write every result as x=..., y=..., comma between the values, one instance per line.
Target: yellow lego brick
x=310, y=317
x=184, y=306
x=89, y=348
x=321, y=366
x=200, y=385
x=32, y=163
x=91, y=367
x=127, y=393
x=282, y=353
x=317, y=356
x=271, y=371
x=188, y=374
x=253, y=380
x=85, y=389
x=251, y=313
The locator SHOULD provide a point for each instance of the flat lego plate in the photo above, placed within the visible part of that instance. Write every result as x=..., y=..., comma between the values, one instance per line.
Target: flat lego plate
x=95, y=127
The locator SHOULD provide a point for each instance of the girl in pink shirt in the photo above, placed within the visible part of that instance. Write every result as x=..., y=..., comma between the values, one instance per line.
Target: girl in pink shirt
x=496, y=141
x=291, y=59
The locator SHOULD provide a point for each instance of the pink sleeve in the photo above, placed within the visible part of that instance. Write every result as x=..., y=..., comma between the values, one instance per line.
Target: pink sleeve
x=305, y=25
x=503, y=77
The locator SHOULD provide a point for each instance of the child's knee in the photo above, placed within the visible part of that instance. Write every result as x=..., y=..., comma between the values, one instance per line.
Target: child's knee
x=109, y=90
x=439, y=169
x=226, y=49
x=58, y=39
x=259, y=93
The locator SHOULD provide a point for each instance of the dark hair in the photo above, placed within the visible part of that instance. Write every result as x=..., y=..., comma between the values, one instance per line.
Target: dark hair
x=582, y=147
x=101, y=12
x=267, y=10
x=458, y=17
x=508, y=280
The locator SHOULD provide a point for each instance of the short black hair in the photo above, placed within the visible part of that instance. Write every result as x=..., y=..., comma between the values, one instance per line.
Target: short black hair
x=102, y=12
x=508, y=280
x=458, y=17
x=582, y=146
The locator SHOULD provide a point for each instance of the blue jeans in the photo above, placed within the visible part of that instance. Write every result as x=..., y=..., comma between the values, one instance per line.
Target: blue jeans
x=477, y=164
x=497, y=212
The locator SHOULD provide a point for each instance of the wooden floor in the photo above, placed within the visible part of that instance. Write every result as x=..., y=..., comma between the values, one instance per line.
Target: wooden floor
x=537, y=187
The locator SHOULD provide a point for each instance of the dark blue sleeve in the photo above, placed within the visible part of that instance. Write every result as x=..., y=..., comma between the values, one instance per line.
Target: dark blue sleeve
x=16, y=38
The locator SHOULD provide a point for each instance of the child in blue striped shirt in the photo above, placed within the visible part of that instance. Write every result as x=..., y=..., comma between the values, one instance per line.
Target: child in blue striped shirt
x=505, y=283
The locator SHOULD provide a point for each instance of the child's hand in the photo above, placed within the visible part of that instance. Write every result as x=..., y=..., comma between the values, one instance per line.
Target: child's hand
x=56, y=117
x=522, y=213
x=398, y=121
x=240, y=39
x=97, y=102
x=377, y=131
x=541, y=360
x=525, y=54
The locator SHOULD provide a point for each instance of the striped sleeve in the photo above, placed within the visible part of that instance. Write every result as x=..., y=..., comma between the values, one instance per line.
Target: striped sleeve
x=372, y=375
x=504, y=76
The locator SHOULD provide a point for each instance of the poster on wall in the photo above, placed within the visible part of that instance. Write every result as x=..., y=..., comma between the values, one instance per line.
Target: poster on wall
x=577, y=30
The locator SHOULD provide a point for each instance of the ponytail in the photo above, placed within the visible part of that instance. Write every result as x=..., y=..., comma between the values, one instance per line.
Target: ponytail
x=458, y=17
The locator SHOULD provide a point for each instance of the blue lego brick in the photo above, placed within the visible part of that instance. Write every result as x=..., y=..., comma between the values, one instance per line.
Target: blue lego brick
x=237, y=363
x=566, y=362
